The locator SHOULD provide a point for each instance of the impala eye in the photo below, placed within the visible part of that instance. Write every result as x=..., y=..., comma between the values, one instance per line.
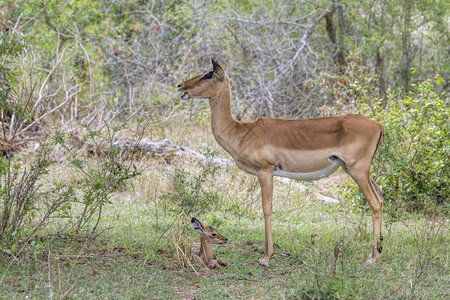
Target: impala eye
x=213, y=234
x=208, y=75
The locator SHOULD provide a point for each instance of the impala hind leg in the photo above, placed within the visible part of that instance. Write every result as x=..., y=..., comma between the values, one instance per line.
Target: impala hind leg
x=374, y=197
x=266, y=182
x=198, y=259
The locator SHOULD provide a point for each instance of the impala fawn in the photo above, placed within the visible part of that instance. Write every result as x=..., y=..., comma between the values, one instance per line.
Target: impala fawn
x=208, y=236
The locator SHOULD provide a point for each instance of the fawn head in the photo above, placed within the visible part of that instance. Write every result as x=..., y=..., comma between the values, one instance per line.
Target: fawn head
x=205, y=85
x=207, y=231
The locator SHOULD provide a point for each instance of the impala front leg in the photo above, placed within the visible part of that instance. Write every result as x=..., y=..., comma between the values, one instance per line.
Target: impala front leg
x=266, y=182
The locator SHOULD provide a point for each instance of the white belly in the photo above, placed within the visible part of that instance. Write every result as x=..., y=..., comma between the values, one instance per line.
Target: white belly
x=335, y=164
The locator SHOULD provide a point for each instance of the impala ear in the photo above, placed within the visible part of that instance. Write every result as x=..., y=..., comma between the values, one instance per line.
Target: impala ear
x=218, y=70
x=197, y=225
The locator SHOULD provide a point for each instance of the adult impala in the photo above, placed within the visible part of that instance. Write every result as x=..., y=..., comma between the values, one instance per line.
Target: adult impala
x=305, y=149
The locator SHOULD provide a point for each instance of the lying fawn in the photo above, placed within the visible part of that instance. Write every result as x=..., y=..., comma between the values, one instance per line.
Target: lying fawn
x=209, y=236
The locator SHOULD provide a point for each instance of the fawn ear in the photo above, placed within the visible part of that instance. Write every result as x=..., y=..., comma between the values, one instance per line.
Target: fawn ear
x=218, y=70
x=197, y=225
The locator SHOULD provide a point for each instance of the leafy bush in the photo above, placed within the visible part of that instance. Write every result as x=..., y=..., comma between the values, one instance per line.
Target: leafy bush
x=98, y=178
x=413, y=166
x=32, y=202
x=189, y=196
x=14, y=114
x=10, y=46
x=24, y=206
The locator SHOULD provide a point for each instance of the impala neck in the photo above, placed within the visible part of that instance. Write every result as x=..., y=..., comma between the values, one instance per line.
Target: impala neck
x=222, y=122
x=206, y=248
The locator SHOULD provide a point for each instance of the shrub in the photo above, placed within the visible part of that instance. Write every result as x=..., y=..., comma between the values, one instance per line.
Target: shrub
x=413, y=166
x=21, y=213
x=98, y=178
x=190, y=194
x=32, y=202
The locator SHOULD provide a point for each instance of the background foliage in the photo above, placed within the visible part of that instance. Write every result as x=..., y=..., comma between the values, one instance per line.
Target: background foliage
x=78, y=68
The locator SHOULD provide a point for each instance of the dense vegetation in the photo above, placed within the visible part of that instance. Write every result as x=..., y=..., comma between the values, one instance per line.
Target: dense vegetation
x=78, y=75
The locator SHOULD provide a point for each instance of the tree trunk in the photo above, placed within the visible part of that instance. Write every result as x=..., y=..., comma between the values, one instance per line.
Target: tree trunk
x=379, y=67
x=339, y=56
x=406, y=45
x=380, y=56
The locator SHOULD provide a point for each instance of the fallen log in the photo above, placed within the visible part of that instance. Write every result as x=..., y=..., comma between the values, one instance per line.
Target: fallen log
x=165, y=147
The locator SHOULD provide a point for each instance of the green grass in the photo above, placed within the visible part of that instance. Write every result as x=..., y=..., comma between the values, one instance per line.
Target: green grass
x=320, y=250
